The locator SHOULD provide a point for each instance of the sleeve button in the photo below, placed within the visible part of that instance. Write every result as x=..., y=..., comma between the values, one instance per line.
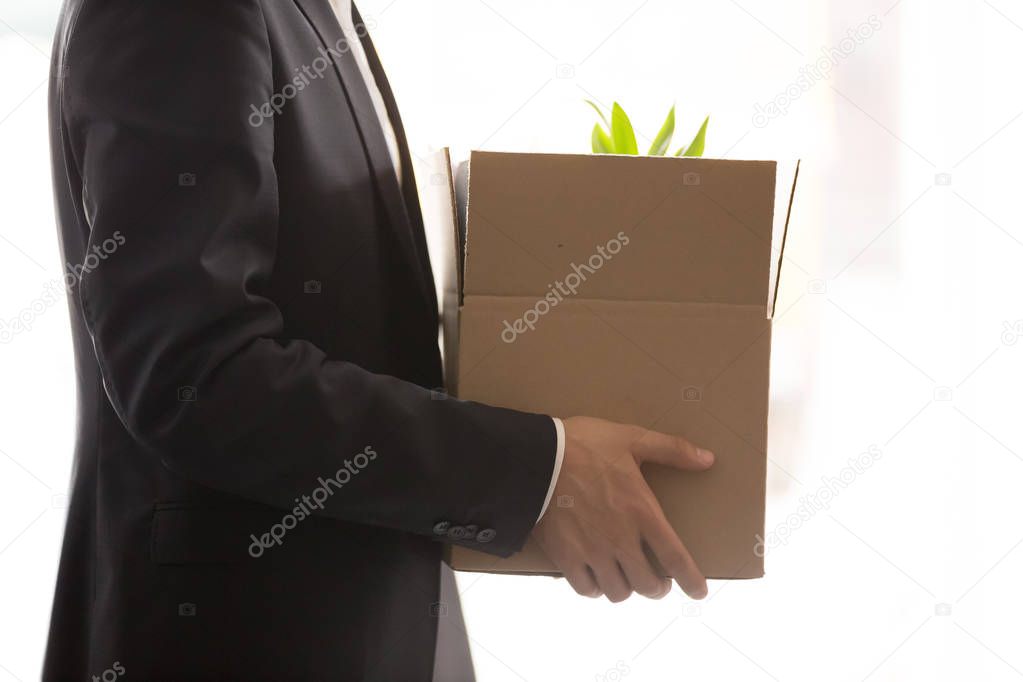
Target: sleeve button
x=486, y=535
x=441, y=528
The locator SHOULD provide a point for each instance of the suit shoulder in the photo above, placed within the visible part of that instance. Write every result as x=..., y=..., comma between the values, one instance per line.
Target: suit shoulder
x=182, y=55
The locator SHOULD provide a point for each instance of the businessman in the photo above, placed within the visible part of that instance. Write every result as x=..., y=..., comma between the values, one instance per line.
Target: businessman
x=263, y=479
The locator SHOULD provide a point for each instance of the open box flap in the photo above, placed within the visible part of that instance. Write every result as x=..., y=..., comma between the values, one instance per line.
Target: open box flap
x=460, y=180
x=784, y=192
x=656, y=228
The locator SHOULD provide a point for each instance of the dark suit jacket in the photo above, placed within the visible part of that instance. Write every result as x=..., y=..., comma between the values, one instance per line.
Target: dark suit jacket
x=262, y=472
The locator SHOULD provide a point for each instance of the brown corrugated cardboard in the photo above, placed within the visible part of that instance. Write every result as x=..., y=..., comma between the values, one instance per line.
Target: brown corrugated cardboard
x=637, y=289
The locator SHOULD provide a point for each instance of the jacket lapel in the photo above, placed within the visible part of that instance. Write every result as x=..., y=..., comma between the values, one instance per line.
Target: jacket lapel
x=324, y=22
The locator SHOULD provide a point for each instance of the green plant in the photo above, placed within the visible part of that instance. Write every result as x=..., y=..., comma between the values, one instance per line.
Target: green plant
x=617, y=135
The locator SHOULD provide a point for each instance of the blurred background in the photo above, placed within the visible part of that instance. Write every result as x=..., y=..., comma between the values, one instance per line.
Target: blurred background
x=899, y=328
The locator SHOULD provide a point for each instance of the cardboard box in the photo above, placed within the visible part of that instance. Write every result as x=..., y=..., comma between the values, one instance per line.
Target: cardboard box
x=636, y=289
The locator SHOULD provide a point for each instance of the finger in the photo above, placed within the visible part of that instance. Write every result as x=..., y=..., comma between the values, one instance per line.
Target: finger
x=582, y=581
x=568, y=559
x=641, y=576
x=673, y=451
x=612, y=581
x=675, y=558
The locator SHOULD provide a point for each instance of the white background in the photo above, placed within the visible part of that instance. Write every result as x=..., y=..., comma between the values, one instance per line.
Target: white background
x=896, y=325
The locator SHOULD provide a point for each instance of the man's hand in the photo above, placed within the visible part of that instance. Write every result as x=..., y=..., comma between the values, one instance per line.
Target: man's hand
x=600, y=539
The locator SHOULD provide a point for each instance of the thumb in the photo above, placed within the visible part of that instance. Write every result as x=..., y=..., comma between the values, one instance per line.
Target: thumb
x=673, y=451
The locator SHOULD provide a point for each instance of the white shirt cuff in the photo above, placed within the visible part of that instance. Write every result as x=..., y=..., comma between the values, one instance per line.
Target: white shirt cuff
x=559, y=455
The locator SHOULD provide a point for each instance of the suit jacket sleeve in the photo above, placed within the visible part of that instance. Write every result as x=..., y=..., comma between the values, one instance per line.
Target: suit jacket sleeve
x=192, y=353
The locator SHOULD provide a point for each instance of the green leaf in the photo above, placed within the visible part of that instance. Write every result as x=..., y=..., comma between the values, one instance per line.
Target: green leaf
x=695, y=147
x=601, y=141
x=622, y=134
x=663, y=139
x=600, y=112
